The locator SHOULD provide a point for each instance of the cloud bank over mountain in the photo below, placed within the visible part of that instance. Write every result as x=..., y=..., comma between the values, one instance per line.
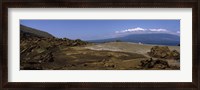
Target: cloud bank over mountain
x=139, y=30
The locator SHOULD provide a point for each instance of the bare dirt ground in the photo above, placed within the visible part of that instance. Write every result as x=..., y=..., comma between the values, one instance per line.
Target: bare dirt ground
x=80, y=58
x=127, y=47
x=132, y=48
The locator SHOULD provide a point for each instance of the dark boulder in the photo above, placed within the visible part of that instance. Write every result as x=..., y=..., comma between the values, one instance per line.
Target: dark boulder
x=164, y=53
x=154, y=64
x=175, y=55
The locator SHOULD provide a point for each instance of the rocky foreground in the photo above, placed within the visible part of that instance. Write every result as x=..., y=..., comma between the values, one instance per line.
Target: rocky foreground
x=37, y=53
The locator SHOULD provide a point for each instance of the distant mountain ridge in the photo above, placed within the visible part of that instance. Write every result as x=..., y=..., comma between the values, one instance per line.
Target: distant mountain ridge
x=156, y=38
x=34, y=32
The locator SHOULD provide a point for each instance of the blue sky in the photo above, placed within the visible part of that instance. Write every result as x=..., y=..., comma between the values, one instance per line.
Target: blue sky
x=101, y=29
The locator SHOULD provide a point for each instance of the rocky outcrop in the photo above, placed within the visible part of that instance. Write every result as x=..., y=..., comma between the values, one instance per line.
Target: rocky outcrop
x=164, y=53
x=154, y=64
x=175, y=55
x=78, y=42
x=36, y=51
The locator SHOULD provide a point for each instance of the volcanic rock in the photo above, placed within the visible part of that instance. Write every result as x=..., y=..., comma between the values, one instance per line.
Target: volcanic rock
x=164, y=53
x=157, y=64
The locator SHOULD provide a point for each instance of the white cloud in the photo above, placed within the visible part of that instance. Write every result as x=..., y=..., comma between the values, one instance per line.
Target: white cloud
x=141, y=30
x=138, y=29
x=158, y=30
